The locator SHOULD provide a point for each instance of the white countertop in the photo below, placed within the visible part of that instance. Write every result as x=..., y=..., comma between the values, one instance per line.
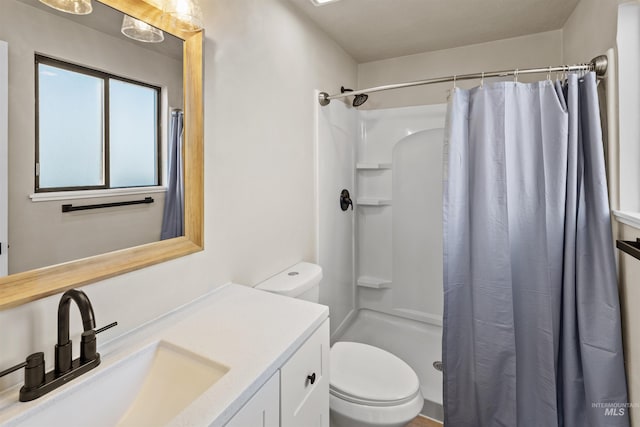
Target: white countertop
x=250, y=331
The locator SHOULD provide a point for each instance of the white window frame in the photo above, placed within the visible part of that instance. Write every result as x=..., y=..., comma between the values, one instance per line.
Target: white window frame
x=628, y=83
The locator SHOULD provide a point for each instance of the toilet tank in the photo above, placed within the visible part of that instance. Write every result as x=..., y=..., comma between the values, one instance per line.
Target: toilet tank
x=300, y=281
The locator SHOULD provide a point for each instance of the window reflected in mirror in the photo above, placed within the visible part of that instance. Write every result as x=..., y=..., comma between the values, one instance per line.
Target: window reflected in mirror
x=95, y=130
x=134, y=131
x=70, y=129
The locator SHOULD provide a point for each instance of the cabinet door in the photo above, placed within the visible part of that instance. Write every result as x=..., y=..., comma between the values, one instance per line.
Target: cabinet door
x=263, y=409
x=304, y=383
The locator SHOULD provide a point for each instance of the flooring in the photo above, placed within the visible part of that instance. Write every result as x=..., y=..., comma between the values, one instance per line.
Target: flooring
x=424, y=422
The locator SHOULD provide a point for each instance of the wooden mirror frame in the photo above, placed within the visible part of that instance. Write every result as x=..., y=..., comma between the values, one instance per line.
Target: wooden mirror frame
x=20, y=288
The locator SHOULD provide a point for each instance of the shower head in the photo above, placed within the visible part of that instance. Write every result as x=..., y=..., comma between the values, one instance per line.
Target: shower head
x=358, y=100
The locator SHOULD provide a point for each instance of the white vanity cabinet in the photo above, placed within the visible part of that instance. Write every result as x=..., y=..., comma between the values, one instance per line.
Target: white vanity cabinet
x=298, y=394
x=263, y=410
x=259, y=346
x=304, y=383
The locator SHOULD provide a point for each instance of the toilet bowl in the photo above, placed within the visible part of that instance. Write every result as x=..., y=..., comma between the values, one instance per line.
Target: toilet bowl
x=369, y=387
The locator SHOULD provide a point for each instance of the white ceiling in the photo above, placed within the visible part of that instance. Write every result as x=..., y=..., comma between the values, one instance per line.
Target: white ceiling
x=370, y=30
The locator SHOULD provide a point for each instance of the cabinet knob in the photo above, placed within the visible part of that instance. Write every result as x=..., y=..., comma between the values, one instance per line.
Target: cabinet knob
x=311, y=378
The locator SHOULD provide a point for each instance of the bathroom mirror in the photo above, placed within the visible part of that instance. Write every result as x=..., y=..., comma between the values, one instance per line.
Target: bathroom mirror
x=25, y=286
x=98, y=132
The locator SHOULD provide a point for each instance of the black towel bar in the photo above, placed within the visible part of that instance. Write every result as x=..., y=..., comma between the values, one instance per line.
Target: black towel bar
x=71, y=208
x=630, y=247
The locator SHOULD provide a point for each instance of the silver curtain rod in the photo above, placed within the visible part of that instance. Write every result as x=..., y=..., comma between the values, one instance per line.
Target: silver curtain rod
x=597, y=64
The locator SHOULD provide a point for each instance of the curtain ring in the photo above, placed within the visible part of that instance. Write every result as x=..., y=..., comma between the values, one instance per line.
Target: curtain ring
x=482, y=80
x=454, y=81
x=549, y=74
x=515, y=75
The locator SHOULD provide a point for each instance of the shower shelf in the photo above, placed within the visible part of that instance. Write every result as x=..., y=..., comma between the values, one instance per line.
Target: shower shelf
x=373, y=166
x=373, y=202
x=373, y=282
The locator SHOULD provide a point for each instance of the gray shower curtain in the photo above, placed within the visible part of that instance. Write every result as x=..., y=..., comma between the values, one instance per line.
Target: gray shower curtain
x=532, y=332
x=173, y=218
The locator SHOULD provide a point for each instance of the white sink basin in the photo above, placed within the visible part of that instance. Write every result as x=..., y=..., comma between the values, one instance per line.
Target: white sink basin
x=148, y=388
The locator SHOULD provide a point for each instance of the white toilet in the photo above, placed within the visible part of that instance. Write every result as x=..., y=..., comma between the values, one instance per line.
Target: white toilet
x=369, y=387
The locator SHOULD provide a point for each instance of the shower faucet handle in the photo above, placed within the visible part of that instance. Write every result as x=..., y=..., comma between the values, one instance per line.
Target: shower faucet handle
x=345, y=200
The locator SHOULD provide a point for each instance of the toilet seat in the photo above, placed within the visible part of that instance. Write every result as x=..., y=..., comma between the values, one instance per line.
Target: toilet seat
x=347, y=414
x=359, y=401
x=367, y=375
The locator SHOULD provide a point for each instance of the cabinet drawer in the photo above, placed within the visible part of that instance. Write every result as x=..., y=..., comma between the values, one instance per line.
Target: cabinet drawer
x=304, y=383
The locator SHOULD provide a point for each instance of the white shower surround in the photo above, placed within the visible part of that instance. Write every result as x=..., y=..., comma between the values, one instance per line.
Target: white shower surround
x=383, y=262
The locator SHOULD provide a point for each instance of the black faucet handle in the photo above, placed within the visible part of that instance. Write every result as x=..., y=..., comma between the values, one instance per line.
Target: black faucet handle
x=88, y=345
x=13, y=369
x=34, y=370
x=104, y=328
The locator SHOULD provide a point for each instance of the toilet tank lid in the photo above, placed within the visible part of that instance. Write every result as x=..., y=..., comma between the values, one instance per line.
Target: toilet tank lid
x=293, y=281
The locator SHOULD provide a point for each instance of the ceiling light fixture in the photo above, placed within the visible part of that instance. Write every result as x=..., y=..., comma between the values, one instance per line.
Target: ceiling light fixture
x=75, y=7
x=322, y=2
x=183, y=14
x=141, y=31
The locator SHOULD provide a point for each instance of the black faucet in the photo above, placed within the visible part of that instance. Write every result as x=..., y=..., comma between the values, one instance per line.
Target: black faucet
x=63, y=348
x=36, y=382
